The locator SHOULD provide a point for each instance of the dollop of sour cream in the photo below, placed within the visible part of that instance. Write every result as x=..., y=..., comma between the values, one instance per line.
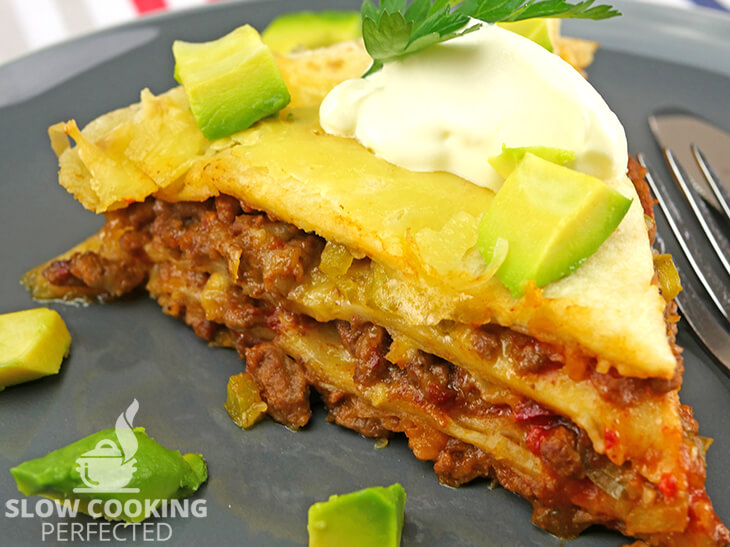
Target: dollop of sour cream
x=452, y=106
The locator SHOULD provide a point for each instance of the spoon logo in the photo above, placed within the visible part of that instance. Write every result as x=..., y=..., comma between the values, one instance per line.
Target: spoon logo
x=110, y=465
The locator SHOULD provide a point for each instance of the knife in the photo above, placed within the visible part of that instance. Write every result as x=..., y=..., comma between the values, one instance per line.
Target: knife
x=677, y=129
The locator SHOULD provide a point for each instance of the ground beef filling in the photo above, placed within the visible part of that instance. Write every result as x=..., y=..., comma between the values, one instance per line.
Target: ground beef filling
x=438, y=383
x=455, y=391
x=457, y=463
x=282, y=382
x=179, y=249
x=92, y=270
x=273, y=257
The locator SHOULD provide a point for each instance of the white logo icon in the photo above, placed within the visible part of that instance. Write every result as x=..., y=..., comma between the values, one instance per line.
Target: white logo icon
x=110, y=465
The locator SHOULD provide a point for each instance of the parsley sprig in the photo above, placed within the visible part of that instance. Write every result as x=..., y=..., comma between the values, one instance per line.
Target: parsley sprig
x=397, y=28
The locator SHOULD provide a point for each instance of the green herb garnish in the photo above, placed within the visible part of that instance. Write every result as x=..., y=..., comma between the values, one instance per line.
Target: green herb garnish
x=391, y=30
x=397, y=28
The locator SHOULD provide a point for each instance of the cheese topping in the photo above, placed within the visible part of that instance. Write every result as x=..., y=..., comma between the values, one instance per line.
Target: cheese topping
x=452, y=106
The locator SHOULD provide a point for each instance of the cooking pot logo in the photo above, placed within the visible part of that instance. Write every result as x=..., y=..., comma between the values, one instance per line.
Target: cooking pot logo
x=110, y=465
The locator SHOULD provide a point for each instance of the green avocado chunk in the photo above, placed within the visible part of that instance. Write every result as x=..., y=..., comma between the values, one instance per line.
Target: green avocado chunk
x=150, y=474
x=506, y=162
x=231, y=83
x=311, y=29
x=541, y=30
x=372, y=517
x=553, y=219
x=33, y=344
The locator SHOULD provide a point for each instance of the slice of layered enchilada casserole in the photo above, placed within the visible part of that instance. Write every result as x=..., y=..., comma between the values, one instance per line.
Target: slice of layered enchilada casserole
x=331, y=269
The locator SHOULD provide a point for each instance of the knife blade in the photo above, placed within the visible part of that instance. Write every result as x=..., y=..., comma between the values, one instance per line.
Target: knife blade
x=676, y=129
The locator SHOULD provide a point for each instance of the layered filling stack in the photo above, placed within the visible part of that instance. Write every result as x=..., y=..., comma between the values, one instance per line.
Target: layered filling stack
x=307, y=314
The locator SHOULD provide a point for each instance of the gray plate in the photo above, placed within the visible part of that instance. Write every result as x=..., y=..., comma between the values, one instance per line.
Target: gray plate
x=262, y=481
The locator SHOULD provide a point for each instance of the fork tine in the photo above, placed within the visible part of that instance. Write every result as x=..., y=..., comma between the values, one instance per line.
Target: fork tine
x=699, y=208
x=659, y=190
x=722, y=195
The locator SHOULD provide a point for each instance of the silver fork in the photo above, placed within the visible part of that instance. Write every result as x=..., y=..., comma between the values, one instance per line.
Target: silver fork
x=710, y=319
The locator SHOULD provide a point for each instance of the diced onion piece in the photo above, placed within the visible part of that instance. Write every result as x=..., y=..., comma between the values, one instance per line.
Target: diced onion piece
x=244, y=404
x=669, y=281
x=214, y=295
x=336, y=259
x=608, y=478
x=381, y=443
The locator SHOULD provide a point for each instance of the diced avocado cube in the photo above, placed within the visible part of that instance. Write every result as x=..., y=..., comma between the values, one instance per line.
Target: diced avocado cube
x=372, y=517
x=506, y=162
x=541, y=30
x=553, y=219
x=231, y=83
x=33, y=344
x=136, y=468
x=311, y=29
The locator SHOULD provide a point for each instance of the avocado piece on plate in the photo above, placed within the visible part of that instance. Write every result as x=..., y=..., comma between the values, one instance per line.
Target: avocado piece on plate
x=125, y=465
x=552, y=217
x=311, y=29
x=372, y=517
x=231, y=83
x=33, y=343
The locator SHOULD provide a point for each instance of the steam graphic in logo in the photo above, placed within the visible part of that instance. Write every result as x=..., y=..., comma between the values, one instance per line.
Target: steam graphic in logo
x=109, y=466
